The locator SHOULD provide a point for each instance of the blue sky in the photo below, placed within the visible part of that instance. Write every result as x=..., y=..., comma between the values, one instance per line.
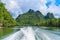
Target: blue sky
x=17, y=7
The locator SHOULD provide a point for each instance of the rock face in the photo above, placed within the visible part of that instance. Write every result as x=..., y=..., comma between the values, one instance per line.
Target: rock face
x=31, y=17
x=49, y=16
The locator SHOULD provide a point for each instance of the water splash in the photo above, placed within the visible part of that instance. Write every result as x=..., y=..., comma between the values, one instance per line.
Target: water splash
x=30, y=33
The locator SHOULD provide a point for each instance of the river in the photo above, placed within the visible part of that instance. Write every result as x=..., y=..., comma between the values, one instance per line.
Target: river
x=33, y=33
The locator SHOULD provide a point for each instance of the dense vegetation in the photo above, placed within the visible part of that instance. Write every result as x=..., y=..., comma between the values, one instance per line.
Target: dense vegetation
x=6, y=19
x=32, y=18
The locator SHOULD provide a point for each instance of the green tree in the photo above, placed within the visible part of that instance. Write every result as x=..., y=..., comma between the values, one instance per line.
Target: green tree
x=5, y=17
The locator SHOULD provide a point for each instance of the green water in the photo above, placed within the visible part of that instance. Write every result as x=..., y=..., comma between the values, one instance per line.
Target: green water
x=7, y=31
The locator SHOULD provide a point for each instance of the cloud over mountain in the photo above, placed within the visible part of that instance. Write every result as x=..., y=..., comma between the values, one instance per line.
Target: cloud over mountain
x=17, y=7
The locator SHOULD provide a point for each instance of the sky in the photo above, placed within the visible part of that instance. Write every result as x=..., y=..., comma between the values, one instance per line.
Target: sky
x=17, y=7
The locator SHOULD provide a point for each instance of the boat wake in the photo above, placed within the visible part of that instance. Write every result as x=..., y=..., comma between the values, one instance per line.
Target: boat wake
x=30, y=33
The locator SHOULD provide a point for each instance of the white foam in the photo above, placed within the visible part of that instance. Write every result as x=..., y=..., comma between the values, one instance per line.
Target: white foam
x=28, y=33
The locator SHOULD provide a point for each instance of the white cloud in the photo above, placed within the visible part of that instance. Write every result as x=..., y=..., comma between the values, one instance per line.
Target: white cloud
x=13, y=7
x=19, y=6
x=13, y=4
x=43, y=6
x=57, y=16
x=54, y=9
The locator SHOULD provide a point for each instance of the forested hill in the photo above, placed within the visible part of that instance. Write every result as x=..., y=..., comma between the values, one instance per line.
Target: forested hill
x=6, y=19
x=30, y=18
x=36, y=18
